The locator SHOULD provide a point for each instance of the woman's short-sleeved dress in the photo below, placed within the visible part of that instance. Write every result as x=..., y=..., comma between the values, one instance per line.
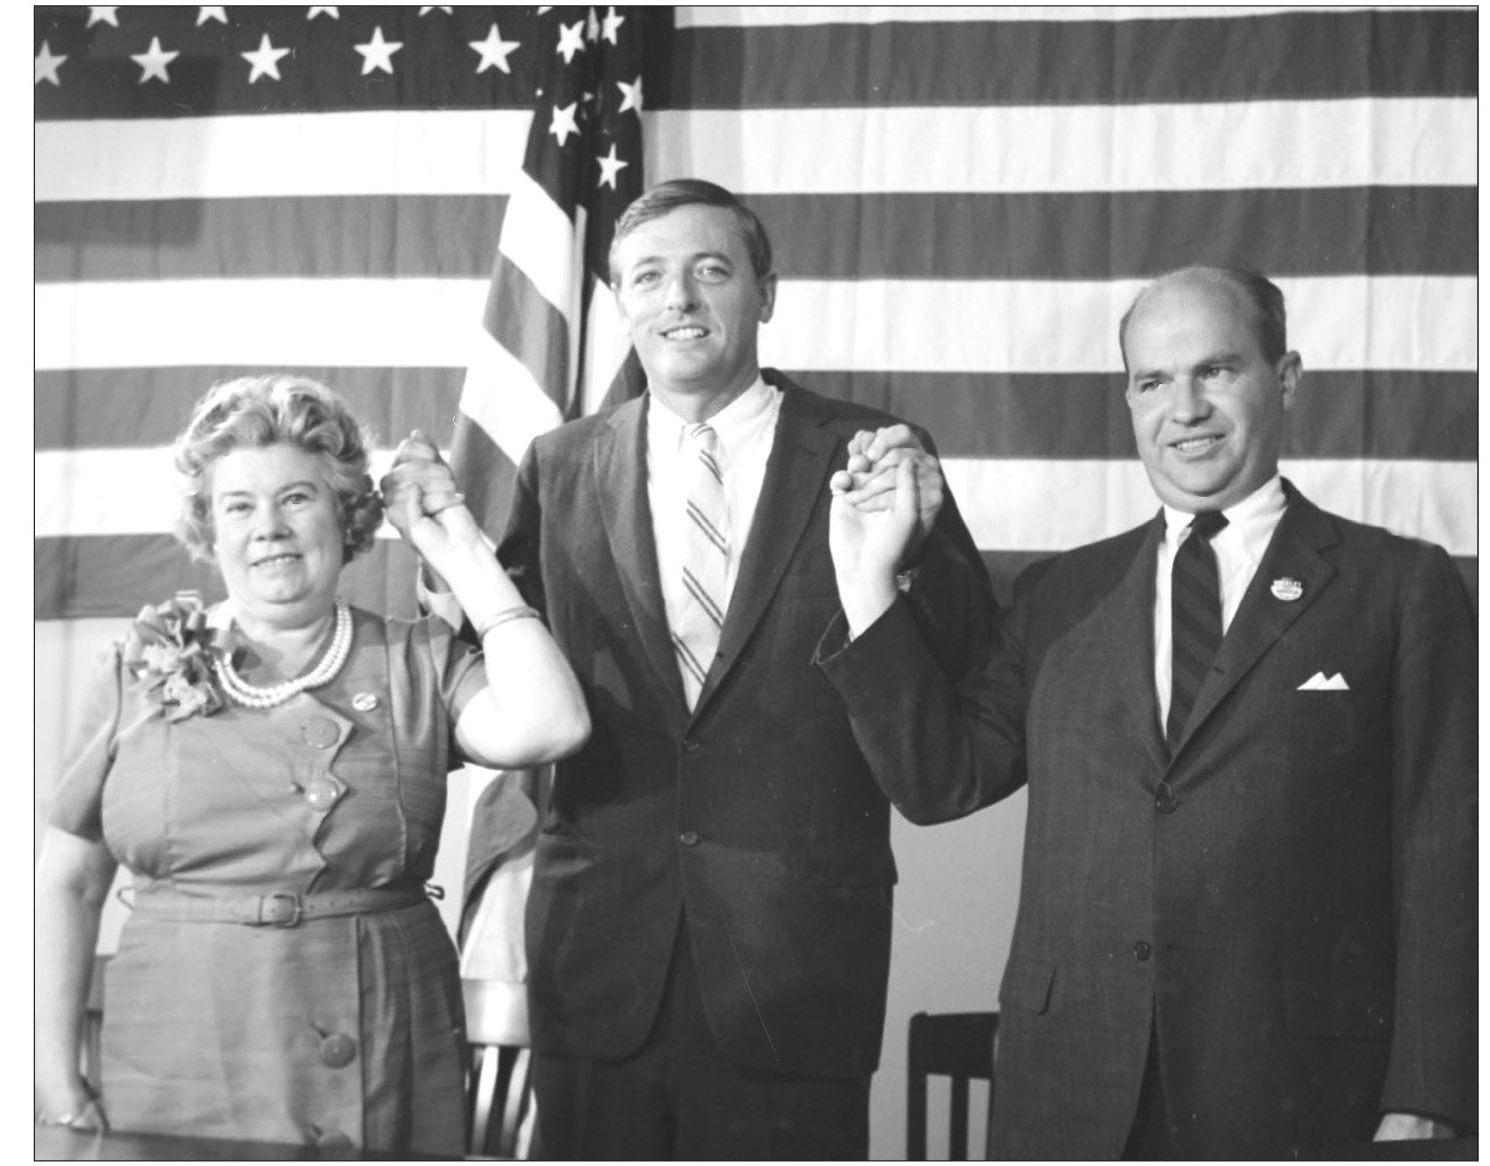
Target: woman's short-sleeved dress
x=345, y=1030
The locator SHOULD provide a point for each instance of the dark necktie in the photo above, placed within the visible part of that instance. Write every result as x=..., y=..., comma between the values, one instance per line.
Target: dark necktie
x=1195, y=619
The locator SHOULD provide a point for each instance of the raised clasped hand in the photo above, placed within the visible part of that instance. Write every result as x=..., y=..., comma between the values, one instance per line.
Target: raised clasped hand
x=869, y=537
x=422, y=501
x=869, y=478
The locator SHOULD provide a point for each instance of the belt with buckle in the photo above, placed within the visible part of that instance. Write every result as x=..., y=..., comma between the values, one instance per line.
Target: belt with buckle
x=275, y=909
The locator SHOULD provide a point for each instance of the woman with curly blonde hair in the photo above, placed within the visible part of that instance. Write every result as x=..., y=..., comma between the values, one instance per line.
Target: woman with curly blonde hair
x=272, y=773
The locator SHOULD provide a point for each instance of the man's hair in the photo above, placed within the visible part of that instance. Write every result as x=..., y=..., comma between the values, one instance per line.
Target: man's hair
x=1271, y=323
x=255, y=412
x=666, y=197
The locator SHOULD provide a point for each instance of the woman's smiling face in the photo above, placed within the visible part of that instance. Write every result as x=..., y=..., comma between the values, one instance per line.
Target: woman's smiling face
x=278, y=538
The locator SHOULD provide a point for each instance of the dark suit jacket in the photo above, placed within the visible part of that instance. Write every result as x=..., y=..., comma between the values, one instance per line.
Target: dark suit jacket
x=1290, y=900
x=756, y=817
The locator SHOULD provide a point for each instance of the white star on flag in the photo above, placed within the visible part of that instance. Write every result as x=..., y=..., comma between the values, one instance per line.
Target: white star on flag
x=428, y=8
x=154, y=61
x=206, y=14
x=612, y=26
x=265, y=60
x=103, y=15
x=571, y=40
x=378, y=53
x=494, y=51
x=610, y=166
x=631, y=96
x=564, y=123
x=46, y=65
x=334, y=13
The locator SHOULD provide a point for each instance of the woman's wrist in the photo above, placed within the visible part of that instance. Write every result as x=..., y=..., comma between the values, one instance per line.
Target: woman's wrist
x=488, y=623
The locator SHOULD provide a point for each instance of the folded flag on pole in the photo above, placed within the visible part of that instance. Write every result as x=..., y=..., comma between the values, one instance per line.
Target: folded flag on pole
x=551, y=346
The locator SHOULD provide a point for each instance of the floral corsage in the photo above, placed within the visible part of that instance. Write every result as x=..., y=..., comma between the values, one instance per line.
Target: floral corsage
x=170, y=653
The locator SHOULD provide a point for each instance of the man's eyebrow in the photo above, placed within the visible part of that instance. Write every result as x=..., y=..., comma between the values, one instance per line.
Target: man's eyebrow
x=642, y=260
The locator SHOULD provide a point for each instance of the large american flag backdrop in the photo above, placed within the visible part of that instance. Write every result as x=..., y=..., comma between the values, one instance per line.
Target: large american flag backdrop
x=963, y=201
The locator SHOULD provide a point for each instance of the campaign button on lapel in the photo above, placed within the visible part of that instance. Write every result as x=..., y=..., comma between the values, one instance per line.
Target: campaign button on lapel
x=1287, y=588
x=365, y=702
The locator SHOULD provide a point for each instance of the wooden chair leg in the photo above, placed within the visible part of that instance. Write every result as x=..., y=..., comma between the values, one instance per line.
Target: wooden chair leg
x=957, y=1137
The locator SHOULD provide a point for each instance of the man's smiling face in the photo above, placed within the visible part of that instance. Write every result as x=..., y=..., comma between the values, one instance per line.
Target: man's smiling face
x=692, y=304
x=1207, y=404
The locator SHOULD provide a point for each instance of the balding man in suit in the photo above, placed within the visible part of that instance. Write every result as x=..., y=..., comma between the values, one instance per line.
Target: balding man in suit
x=1247, y=918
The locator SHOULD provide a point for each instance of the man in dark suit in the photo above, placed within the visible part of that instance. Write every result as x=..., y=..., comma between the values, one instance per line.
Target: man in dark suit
x=709, y=922
x=1247, y=917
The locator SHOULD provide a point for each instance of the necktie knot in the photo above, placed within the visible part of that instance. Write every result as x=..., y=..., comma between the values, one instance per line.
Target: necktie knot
x=1208, y=524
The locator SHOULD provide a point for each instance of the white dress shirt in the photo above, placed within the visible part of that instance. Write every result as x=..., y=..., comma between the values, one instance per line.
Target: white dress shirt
x=1239, y=548
x=746, y=428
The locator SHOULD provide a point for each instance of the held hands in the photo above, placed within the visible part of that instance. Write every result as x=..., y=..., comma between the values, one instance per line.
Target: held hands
x=423, y=504
x=869, y=477
x=868, y=542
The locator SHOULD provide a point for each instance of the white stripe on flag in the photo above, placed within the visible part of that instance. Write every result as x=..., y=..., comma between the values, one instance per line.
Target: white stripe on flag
x=1211, y=146
x=455, y=151
x=1050, y=505
x=1410, y=322
x=500, y=395
x=352, y=323
x=1009, y=504
x=1425, y=323
x=541, y=240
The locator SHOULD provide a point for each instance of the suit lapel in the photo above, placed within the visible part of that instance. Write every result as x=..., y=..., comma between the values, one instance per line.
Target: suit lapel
x=796, y=480
x=1127, y=621
x=1263, y=617
x=621, y=485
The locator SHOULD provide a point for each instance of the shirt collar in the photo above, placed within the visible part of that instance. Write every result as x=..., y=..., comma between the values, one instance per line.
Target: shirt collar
x=732, y=423
x=1252, y=520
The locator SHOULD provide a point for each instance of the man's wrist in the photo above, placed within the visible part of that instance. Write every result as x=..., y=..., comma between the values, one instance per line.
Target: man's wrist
x=865, y=598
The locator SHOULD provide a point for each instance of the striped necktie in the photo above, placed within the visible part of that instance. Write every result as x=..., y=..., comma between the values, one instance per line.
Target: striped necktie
x=1195, y=618
x=705, y=565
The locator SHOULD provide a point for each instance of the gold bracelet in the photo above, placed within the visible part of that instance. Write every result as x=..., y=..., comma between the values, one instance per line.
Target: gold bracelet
x=512, y=613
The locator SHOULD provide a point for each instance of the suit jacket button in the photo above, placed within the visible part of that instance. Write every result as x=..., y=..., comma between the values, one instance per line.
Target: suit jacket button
x=1142, y=951
x=691, y=745
x=337, y=1050
x=1165, y=801
x=689, y=837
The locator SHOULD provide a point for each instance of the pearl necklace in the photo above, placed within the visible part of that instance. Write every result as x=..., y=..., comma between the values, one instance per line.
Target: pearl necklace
x=241, y=692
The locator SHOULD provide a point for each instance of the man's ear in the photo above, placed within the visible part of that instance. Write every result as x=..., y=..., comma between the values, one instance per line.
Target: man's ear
x=1290, y=371
x=768, y=297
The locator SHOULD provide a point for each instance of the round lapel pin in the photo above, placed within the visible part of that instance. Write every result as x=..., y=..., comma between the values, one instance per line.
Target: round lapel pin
x=1287, y=589
x=365, y=702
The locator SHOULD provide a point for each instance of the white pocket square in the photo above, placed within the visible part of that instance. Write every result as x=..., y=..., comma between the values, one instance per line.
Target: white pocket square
x=1319, y=682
